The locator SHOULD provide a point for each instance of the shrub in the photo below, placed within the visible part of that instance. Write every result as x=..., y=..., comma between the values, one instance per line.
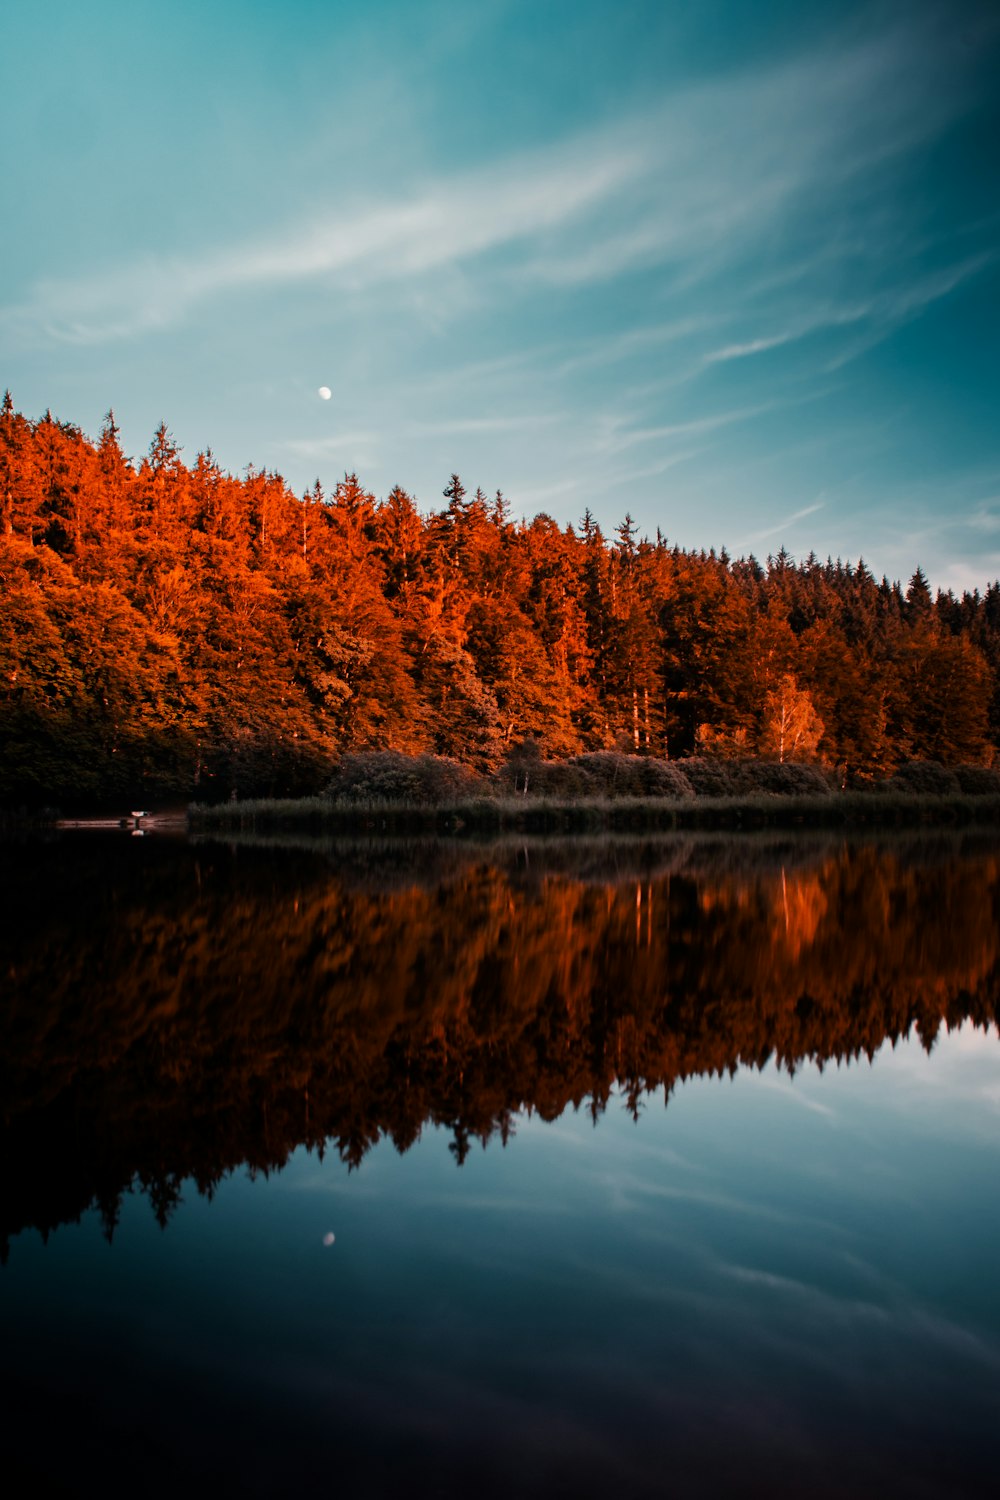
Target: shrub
x=607, y=773
x=926, y=778
x=662, y=778
x=978, y=781
x=556, y=778
x=710, y=777
x=390, y=776
x=600, y=773
x=525, y=773
x=782, y=778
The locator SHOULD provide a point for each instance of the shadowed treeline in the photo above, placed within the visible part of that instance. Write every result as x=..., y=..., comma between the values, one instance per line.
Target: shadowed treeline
x=175, y=1010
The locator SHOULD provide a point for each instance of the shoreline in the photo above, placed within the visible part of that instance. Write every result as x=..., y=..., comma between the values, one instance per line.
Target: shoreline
x=577, y=816
x=582, y=816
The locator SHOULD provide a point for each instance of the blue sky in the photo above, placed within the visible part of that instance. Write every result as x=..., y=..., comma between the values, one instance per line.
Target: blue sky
x=734, y=268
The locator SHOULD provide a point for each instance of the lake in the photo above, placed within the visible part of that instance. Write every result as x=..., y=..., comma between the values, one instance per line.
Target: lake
x=524, y=1169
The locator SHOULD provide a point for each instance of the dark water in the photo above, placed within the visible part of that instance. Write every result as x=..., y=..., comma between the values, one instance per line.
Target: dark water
x=350, y=1168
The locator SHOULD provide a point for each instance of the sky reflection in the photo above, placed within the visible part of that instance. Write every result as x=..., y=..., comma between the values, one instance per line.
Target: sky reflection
x=736, y=1282
x=778, y=1278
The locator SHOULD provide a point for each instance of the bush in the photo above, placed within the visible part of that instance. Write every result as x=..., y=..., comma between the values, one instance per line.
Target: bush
x=600, y=773
x=711, y=778
x=555, y=778
x=782, y=778
x=978, y=781
x=925, y=778
x=662, y=778
x=613, y=774
x=525, y=773
x=390, y=776
x=607, y=773
x=743, y=778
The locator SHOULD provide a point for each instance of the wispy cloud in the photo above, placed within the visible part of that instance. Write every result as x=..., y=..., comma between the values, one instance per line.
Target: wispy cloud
x=448, y=222
x=528, y=496
x=885, y=311
x=962, y=577
x=618, y=348
x=618, y=435
x=332, y=446
x=755, y=346
x=690, y=186
x=899, y=306
x=986, y=516
x=809, y=325
x=787, y=522
x=463, y=426
x=650, y=471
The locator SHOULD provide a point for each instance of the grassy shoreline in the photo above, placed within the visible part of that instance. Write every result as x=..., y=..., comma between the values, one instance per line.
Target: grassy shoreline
x=543, y=815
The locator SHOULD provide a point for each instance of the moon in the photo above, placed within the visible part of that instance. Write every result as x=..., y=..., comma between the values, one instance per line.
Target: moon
x=324, y=393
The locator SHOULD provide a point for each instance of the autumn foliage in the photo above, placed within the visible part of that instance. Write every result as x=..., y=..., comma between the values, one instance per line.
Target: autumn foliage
x=172, y=630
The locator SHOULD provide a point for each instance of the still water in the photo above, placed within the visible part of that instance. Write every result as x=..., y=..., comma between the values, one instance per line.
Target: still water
x=522, y=1170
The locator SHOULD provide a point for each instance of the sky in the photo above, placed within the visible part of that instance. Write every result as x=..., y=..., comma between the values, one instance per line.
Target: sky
x=732, y=268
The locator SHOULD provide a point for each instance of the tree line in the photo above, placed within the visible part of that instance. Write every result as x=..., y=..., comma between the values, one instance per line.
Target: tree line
x=172, y=629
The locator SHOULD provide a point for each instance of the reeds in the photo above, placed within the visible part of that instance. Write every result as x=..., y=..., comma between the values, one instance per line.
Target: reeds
x=889, y=807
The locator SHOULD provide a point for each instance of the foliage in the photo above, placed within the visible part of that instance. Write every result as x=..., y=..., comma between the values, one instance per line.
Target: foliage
x=601, y=773
x=781, y=779
x=388, y=776
x=613, y=775
x=710, y=777
x=168, y=630
x=925, y=778
x=791, y=729
x=978, y=781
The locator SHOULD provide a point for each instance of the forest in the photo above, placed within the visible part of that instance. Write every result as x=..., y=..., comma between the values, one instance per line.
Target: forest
x=169, y=630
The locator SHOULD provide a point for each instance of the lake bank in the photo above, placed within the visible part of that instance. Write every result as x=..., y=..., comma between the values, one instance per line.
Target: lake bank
x=637, y=815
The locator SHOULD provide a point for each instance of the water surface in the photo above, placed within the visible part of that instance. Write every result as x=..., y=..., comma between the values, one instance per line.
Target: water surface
x=532, y=1169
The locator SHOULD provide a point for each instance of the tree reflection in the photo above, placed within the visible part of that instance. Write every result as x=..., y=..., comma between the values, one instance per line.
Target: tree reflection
x=175, y=1012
